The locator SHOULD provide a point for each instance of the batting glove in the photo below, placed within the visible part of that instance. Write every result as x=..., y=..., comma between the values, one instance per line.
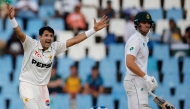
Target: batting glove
x=151, y=81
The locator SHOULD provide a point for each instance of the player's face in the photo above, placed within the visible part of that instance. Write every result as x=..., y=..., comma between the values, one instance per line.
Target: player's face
x=145, y=26
x=46, y=39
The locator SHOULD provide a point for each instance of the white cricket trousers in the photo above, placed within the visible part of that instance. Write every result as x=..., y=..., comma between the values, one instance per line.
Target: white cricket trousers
x=137, y=91
x=34, y=96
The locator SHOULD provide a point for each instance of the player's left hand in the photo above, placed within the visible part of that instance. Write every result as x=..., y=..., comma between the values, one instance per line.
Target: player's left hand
x=101, y=24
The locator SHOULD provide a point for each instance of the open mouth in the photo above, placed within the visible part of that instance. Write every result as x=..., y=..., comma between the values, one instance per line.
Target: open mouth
x=48, y=42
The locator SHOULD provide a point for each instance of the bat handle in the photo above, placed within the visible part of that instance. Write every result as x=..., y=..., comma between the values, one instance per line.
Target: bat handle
x=152, y=94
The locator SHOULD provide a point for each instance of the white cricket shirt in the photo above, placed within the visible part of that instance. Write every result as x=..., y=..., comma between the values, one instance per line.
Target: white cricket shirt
x=137, y=46
x=37, y=64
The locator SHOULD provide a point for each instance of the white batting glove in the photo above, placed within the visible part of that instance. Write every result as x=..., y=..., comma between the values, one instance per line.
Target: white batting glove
x=151, y=81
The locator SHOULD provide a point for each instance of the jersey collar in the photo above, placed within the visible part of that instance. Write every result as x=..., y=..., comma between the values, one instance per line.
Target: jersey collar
x=143, y=38
x=40, y=47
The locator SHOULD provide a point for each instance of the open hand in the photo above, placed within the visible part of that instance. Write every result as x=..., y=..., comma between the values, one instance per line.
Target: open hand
x=11, y=11
x=101, y=24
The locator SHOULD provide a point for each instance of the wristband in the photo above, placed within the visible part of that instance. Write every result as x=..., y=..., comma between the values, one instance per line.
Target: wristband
x=90, y=32
x=145, y=77
x=14, y=23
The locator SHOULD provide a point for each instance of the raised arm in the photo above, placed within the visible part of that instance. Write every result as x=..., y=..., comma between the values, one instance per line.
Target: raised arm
x=14, y=23
x=97, y=26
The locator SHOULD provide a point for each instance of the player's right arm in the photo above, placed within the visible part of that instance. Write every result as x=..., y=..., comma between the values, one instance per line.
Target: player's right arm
x=151, y=81
x=17, y=29
x=130, y=62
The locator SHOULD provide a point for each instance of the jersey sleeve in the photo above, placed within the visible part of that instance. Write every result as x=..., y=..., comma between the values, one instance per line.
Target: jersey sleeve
x=60, y=47
x=28, y=43
x=132, y=47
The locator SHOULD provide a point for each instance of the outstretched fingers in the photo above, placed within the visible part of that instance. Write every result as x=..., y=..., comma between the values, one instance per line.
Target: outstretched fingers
x=8, y=5
x=105, y=20
x=106, y=24
x=10, y=8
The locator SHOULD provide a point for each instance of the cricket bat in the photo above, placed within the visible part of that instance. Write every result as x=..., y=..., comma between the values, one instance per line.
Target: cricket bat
x=161, y=102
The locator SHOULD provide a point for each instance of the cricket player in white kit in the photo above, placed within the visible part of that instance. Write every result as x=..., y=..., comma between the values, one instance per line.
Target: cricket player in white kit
x=137, y=83
x=38, y=58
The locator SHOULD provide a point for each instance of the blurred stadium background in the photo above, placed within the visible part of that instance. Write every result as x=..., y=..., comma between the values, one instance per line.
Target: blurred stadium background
x=169, y=62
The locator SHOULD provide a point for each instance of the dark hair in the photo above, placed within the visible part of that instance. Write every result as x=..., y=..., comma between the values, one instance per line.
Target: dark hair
x=171, y=20
x=41, y=31
x=95, y=67
x=74, y=65
x=108, y=1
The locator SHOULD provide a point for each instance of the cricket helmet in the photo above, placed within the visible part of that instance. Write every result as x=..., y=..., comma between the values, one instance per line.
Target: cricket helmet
x=143, y=17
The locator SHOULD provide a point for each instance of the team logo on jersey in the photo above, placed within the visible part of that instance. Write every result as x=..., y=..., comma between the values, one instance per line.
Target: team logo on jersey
x=142, y=89
x=47, y=103
x=144, y=44
x=42, y=65
x=26, y=99
x=50, y=57
x=131, y=48
x=147, y=16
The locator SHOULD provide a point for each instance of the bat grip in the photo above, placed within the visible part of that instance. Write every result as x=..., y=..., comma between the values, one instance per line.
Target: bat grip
x=152, y=94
